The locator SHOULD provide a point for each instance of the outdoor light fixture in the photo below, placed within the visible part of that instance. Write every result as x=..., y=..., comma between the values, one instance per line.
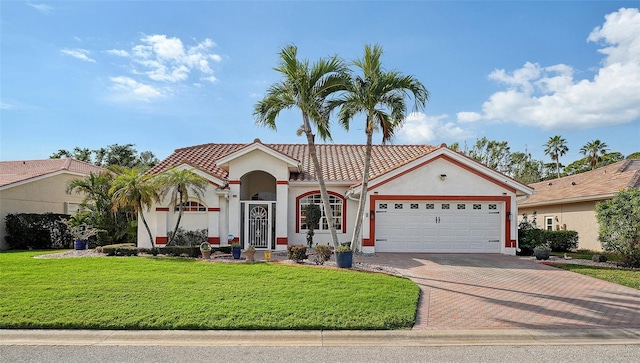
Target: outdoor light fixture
x=443, y=177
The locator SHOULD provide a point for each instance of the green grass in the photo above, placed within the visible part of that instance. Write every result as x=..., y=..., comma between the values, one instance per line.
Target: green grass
x=587, y=254
x=170, y=293
x=630, y=278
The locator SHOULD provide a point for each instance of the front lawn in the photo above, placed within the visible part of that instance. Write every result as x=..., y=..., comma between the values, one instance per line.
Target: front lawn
x=630, y=278
x=587, y=255
x=173, y=293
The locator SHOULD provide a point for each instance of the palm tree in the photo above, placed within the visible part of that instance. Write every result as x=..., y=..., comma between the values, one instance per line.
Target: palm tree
x=591, y=150
x=380, y=96
x=306, y=87
x=556, y=147
x=133, y=189
x=178, y=183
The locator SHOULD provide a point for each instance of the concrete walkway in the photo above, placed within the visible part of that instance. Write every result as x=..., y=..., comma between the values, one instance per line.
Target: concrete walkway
x=473, y=291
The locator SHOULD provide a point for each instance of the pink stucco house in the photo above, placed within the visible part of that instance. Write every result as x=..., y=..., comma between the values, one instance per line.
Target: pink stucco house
x=421, y=198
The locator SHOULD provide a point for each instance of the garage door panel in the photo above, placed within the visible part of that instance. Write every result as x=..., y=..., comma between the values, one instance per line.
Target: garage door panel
x=438, y=227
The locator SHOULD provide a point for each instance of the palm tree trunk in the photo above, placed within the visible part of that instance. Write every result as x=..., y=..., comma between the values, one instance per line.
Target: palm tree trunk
x=363, y=194
x=558, y=165
x=328, y=212
x=175, y=229
x=146, y=225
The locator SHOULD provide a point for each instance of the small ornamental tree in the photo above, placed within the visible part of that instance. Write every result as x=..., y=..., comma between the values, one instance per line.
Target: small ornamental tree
x=619, y=220
x=312, y=216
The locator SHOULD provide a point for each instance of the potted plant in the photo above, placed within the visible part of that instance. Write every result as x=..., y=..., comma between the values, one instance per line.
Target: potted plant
x=236, y=250
x=205, y=249
x=542, y=251
x=344, y=256
x=80, y=230
x=250, y=252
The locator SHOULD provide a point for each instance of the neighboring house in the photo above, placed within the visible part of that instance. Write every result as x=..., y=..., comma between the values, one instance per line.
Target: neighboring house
x=39, y=186
x=420, y=199
x=569, y=202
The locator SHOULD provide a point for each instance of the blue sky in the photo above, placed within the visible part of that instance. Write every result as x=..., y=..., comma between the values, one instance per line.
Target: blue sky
x=164, y=75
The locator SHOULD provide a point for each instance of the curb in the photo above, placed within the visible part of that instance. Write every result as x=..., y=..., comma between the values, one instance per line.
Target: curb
x=325, y=338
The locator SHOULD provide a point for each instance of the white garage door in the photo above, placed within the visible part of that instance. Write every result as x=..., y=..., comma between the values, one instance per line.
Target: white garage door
x=442, y=226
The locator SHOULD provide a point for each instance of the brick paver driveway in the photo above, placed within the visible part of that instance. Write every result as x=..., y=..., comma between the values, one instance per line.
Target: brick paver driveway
x=470, y=291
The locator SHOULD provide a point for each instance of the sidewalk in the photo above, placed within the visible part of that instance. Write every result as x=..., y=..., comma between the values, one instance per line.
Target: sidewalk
x=287, y=338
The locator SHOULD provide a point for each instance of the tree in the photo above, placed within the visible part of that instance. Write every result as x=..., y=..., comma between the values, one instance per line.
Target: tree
x=494, y=154
x=380, y=96
x=112, y=155
x=305, y=86
x=556, y=147
x=525, y=168
x=635, y=155
x=97, y=202
x=593, y=150
x=619, y=220
x=134, y=190
x=178, y=184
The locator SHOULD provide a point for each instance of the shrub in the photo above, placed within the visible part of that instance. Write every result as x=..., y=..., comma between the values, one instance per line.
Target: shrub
x=619, y=220
x=561, y=241
x=191, y=251
x=37, y=231
x=323, y=254
x=529, y=236
x=124, y=249
x=297, y=253
x=188, y=238
x=312, y=216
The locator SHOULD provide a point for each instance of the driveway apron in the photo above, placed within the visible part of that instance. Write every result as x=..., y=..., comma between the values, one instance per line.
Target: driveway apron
x=473, y=291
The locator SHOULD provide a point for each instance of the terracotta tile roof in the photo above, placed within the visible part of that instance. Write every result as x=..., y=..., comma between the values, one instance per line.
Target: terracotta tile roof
x=596, y=184
x=17, y=171
x=342, y=163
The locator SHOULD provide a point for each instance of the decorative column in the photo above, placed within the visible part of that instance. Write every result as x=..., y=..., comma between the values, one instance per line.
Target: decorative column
x=282, y=215
x=234, y=209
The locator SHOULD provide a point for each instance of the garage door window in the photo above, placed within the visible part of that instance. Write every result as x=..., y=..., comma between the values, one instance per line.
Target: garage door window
x=336, y=206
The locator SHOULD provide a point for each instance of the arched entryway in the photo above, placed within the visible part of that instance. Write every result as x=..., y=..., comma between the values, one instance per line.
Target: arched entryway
x=257, y=208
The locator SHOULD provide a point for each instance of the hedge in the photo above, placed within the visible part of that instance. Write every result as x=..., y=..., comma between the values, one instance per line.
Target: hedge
x=26, y=231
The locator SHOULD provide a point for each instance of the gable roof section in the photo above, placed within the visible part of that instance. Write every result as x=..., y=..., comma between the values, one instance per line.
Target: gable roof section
x=339, y=163
x=457, y=158
x=13, y=173
x=292, y=164
x=601, y=183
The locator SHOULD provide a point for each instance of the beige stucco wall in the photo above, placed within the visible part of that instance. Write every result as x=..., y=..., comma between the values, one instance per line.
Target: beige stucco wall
x=580, y=217
x=39, y=196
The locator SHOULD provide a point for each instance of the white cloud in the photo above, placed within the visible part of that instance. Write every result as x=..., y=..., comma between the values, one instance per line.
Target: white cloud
x=118, y=52
x=159, y=64
x=419, y=128
x=43, y=8
x=128, y=89
x=81, y=54
x=551, y=98
x=467, y=117
x=166, y=59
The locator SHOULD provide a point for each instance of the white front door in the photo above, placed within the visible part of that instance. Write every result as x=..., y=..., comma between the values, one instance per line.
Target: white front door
x=258, y=222
x=438, y=226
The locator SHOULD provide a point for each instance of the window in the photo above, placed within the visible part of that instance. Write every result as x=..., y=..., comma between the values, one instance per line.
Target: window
x=493, y=206
x=336, y=207
x=414, y=205
x=461, y=206
x=398, y=206
x=192, y=206
x=444, y=206
x=477, y=206
x=430, y=206
x=382, y=206
x=548, y=223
